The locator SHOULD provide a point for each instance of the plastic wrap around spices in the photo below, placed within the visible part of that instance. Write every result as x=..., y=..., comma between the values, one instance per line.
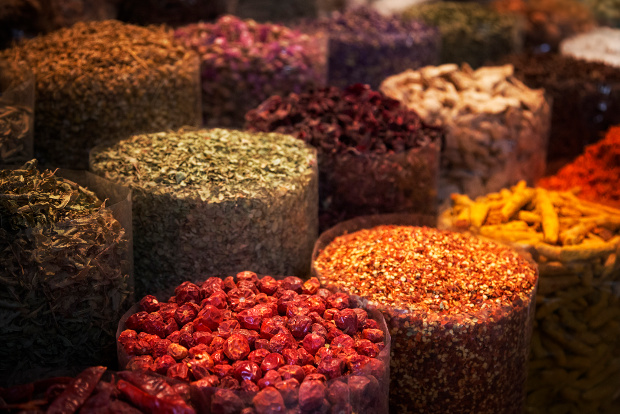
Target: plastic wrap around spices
x=65, y=267
x=574, y=364
x=215, y=201
x=250, y=344
x=459, y=310
x=94, y=82
x=497, y=128
x=375, y=155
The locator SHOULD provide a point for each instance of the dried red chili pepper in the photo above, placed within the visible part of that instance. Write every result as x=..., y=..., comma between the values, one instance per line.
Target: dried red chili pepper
x=268, y=285
x=163, y=363
x=258, y=355
x=177, y=351
x=202, y=337
x=313, y=342
x=210, y=286
x=77, y=391
x=217, y=299
x=236, y=347
x=272, y=361
x=269, y=401
x=178, y=371
x=269, y=379
x=167, y=310
x=186, y=313
x=247, y=370
x=225, y=401
x=250, y=318
x=342, y=341
x=311, y=395
x=311, y=286
x=141, y=363
x=150, y=403
x=136, y=321
x=222, y=370
x=149, y=303
x=292, y=371
x=187, y=292
x=365, y=347
x=299, y=325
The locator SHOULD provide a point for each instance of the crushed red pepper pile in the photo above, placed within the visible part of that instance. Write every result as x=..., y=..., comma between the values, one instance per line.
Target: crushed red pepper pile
x=459, y=310
x=595, y=173
x=262, y=343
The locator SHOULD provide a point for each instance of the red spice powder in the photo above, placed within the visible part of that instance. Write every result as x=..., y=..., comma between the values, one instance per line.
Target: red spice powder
x=595, y=172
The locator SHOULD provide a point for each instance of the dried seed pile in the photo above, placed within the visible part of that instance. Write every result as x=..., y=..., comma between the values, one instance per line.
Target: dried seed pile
x=215, y=202
x=598, y=45
x=245, y=62
x=458, y=309
x=496, y=127
x=586, y=98
x=574, y=363
x=594, y=174
x=16, y=113
x=470, y=33
x=99, y=81
x=263, y=343
x=365, y=46
x=547, y=22
x=375, y=156
x=64, y=280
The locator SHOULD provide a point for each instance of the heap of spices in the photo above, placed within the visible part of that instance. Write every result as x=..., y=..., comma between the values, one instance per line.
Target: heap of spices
x=263, y=344
x=375, y=156
x=574, y=364
x=586, y=99
x=16, y=113
x=547, y=22
x=496, y=127
x=365, y=46
x=594, y=174
x=470, y=33
x=95, y=391
x=245, y=62
x=100, y=81
x=215, y=202
x=459, y=310
x=598, y=45
x=65, y=273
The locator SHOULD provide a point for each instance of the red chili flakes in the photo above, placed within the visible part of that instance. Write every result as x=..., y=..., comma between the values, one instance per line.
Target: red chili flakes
x=458, y=308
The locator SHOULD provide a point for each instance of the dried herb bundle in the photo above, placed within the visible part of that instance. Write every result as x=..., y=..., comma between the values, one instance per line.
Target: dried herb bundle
x=215, y=202
x=104, y=80
x=63, y=262
x=375, y=155
x=245, y=62
x=470, y=33
x=365, y=46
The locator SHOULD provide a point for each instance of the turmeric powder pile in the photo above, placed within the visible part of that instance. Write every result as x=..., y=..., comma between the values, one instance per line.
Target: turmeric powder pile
x=594, y=174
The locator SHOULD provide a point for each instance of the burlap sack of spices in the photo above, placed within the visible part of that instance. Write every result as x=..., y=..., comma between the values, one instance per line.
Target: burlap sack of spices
x=65, y=270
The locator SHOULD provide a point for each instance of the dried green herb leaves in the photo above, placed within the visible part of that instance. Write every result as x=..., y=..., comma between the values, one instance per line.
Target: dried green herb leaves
x=98, y=81
x=215, y=202
x=63, y=278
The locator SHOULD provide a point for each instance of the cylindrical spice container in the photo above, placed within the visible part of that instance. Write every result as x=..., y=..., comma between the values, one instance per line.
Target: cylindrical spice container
x=261, y=344
x=470, y=33
x=65, y=270
x=594, y=174
x=459, y=310
x=365, y=46
x=586, y=99
x=574, y=364
x=16, y=113
x=548, y=22
x=599, y=45
x=215, y=202
x=497, y=128
x=244, y=62
x=105, y=80
x=375, y=156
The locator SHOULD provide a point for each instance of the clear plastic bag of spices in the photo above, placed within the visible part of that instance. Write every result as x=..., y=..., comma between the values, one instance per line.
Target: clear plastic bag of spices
x=347, y=373
x=574, y=363
x=67, y=281
x=447, y=356
x=16, y=112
